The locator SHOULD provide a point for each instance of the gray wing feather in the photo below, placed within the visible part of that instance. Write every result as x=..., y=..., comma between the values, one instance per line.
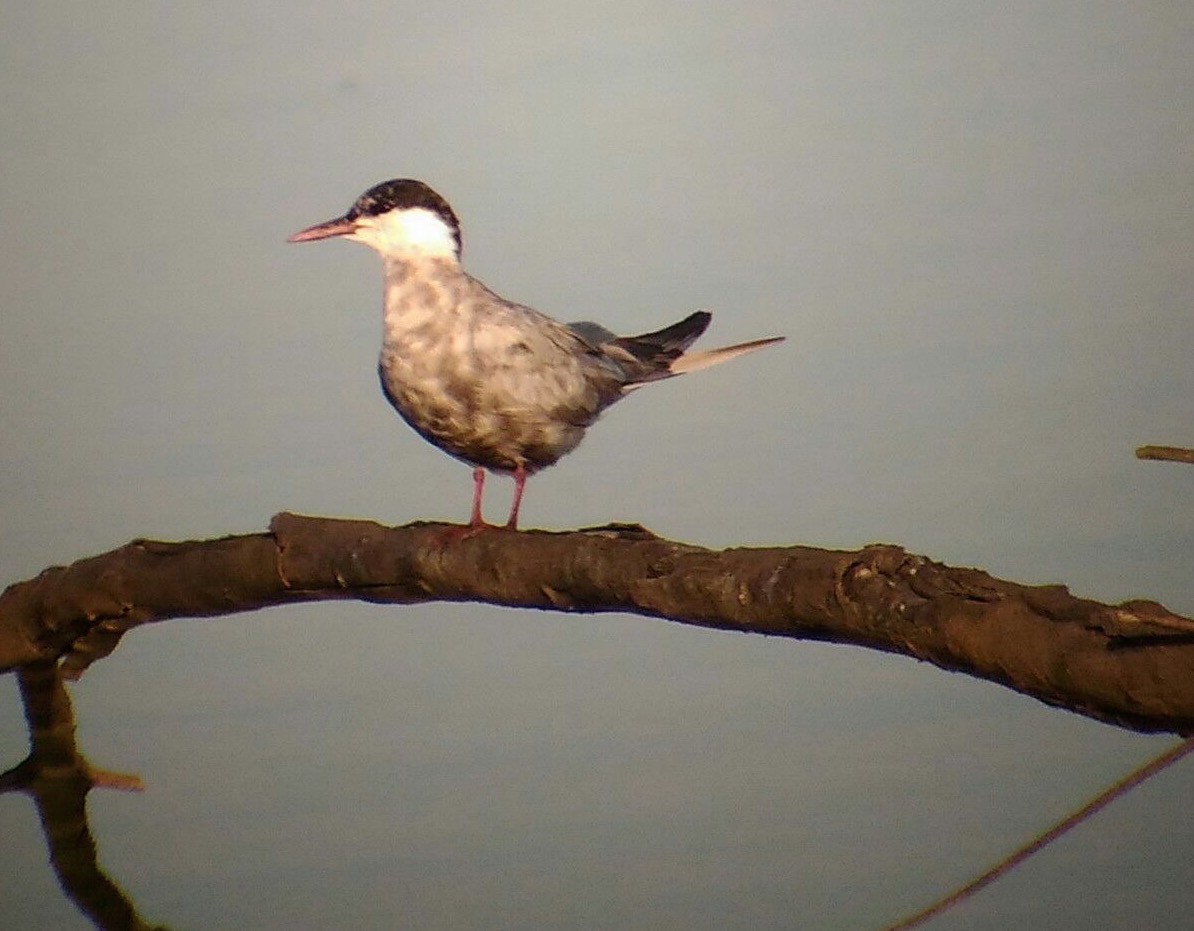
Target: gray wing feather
x=594, y=334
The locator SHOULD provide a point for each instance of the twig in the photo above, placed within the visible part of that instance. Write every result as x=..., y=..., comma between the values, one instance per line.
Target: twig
x=1166, y=453
x=1125, y=785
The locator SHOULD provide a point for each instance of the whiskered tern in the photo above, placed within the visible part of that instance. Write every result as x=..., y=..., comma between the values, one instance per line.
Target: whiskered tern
x=495, y=384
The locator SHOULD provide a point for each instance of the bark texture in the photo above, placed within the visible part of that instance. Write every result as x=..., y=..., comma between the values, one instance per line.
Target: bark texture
x=1130, y=664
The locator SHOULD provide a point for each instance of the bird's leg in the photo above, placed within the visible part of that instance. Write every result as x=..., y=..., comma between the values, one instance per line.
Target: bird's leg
x=476, y=520
x=520, y=481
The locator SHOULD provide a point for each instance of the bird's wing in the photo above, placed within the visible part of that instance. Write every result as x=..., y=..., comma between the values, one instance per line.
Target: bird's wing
x=593, y=335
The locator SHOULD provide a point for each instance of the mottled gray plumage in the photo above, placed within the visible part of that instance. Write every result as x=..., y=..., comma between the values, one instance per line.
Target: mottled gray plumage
x=493, y=383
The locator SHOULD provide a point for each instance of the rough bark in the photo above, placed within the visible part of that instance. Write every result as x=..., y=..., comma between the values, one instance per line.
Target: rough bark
x=1131, y=664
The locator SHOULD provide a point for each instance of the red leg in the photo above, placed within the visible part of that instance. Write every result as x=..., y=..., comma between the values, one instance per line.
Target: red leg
x=520, y=481
x=476, y=520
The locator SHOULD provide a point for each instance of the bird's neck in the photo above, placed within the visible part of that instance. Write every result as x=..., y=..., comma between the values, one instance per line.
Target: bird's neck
x=420, y=290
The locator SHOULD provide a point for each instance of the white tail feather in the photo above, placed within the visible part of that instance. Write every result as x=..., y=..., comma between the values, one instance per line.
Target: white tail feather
x=692, y=361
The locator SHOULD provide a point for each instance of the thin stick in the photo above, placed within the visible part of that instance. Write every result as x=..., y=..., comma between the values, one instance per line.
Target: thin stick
x=1166, y=453
x=1125, y=785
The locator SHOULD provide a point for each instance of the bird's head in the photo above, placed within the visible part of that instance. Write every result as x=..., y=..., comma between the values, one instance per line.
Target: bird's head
x=402, y=218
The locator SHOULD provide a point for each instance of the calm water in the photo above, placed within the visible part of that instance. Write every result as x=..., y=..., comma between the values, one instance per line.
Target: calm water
x=460, y=772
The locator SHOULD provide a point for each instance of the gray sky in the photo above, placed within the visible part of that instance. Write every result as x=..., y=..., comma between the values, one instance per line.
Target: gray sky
x=974, y=222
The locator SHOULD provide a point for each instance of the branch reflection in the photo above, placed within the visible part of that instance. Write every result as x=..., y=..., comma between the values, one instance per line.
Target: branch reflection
x=58, y=777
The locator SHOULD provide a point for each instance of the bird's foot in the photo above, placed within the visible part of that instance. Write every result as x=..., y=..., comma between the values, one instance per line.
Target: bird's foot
x=458, y=533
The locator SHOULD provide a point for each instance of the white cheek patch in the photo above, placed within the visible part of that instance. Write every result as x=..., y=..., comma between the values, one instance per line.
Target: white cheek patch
x=406, y=232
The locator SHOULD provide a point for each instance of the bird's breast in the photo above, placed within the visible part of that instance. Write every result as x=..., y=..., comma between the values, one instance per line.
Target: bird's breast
x=484, y=391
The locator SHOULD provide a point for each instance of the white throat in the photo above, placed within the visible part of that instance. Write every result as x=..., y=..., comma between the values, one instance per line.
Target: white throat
x=407, y=233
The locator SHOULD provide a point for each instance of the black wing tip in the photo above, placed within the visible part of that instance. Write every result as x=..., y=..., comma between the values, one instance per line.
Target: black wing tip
x=695, y=323
x=679, y=335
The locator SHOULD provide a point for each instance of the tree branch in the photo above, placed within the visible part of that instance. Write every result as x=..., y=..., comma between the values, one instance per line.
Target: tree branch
x=1131, y=665
x=1166, y=453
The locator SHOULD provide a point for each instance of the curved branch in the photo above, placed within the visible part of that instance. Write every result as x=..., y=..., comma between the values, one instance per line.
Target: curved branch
x=1131, y=665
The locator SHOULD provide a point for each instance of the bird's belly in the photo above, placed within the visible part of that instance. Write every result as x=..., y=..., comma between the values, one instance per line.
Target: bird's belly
x=480, y=422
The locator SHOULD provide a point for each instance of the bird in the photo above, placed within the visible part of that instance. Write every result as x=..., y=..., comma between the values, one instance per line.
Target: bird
x=495, y=384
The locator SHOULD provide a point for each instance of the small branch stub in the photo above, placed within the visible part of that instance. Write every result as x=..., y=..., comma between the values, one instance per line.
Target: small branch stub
x=1166, y=453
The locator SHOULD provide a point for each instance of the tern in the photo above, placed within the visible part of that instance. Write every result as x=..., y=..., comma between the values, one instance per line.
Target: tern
x=495, y=384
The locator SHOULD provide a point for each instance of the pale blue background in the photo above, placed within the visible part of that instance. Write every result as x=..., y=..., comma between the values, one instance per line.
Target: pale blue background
x=974, y=222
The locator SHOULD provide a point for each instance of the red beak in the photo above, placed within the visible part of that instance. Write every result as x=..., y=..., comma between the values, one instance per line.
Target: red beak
x=341, y=226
